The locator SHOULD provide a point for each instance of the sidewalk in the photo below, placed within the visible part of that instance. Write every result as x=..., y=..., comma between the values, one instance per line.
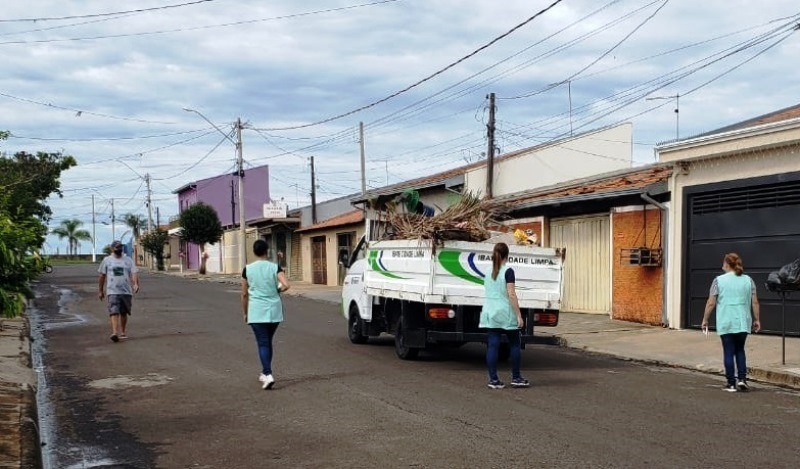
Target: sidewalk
x=596, y=333
x=689, y=349
x=18, y=433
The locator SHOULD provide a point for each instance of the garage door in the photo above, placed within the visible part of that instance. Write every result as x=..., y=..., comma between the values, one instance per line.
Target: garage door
x=760, y=220
x=587, y=267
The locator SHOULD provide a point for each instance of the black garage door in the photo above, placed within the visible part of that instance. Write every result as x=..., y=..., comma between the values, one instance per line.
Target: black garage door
x=757, y=218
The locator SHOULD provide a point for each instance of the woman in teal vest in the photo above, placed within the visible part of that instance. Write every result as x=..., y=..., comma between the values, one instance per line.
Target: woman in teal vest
x=501, y=316
x=733, y=295
x=262, y=283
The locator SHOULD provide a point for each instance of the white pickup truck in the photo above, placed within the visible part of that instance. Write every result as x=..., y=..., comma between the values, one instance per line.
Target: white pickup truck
x=432, y=295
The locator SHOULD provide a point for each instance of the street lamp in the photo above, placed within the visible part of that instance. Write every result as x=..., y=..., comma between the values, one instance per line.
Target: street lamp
x=240, y=165
x=677, y=98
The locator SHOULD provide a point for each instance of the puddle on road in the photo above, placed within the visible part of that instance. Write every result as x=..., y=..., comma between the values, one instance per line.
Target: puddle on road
x=119, y=382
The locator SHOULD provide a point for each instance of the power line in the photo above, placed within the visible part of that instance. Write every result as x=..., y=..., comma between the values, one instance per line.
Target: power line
x=413, y=109
x=152, y=150
x=198, y=28
x=599, y=58
x=105, y=139
x=99, y=15
x=425, y=79
x=210, y=152
x=80, y=112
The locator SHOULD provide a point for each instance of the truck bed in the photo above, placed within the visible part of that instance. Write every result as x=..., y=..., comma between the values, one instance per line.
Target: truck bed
x=453, y=273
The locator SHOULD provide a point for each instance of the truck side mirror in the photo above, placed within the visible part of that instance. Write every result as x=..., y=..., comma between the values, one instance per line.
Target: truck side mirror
x=344, y=259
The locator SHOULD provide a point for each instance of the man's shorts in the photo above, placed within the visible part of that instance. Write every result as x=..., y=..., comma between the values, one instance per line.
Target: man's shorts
x=120, y=304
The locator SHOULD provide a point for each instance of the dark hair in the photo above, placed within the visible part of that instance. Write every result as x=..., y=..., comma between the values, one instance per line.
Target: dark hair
x=499, y=255
x=260, y=247
x=735, y=263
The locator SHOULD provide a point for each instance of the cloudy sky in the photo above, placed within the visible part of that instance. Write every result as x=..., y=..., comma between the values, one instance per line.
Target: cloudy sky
x=108, y=85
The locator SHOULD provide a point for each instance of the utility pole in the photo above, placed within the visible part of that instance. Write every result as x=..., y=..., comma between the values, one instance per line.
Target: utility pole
x=113, y=222
x=490, y=150
x=158, y=218
x=677, y=98
x=242, y=215
x=233, y=204
x=149, y=205
x=569, y=93
x=313, y=194
x=94, y=234
x=363, y=158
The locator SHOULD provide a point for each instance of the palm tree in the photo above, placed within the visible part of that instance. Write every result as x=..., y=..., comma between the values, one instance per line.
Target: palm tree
x=135, y=223
x=70, y=229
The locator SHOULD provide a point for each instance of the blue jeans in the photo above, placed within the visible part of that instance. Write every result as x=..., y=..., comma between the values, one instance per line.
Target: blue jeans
x=264, y=332
x=493, y=350
x=733, y=350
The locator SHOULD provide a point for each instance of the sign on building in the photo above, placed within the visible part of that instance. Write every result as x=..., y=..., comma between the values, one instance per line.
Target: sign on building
x=275, y=209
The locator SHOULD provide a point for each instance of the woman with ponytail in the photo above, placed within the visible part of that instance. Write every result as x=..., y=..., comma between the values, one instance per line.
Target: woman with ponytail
x=733, y=295
x=501, y=316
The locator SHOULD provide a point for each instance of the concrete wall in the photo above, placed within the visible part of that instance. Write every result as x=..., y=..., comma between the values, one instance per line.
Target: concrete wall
x=637, y=292
x=742, y=165
x=331, y=250
x=230, y=249
x=585, y=155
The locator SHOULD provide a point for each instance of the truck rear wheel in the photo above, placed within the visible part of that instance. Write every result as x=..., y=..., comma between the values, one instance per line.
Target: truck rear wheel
x=403, y=352
x=355, y=327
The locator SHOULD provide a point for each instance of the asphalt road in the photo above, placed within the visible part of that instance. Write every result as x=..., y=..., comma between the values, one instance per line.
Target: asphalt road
x=182, y=392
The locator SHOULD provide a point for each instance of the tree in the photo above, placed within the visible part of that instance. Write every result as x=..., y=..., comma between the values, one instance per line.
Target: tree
x=70, y=229
x=200, y=225
x=26, y=182
x=135, y=223
x=18, y=264
x=153, y=242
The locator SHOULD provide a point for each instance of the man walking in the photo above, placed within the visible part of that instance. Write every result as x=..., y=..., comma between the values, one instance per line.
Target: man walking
x=119, y=280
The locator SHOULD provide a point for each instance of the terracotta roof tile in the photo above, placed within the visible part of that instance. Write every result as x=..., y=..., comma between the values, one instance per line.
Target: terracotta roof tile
x=636, y=178
x=349, y=218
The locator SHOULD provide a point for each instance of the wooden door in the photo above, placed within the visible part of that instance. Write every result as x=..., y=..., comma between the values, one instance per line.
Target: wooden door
x=319, y=261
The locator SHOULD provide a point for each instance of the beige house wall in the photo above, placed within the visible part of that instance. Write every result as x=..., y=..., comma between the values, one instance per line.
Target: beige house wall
x=331, y=250
x=747, y=156
x=600, y=152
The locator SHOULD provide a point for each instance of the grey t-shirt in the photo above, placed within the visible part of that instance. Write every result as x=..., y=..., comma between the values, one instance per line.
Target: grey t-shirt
x=118, y=272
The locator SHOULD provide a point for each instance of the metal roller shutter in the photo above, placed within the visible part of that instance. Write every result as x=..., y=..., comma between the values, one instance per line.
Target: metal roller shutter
x=587, y=267
x=760, y=220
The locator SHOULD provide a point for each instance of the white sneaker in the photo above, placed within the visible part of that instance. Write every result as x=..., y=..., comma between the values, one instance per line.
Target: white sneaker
x=742, y=386
x=267, y=381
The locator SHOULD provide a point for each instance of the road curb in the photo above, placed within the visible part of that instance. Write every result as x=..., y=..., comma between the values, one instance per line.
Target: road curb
x=760, y=375
x=19, y=414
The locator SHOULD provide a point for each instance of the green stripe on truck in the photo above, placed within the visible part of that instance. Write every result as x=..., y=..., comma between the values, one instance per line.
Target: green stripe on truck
x=451, y=261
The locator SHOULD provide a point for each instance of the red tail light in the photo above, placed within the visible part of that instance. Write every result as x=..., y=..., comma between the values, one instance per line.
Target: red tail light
x=545, y=319
x=441, y=313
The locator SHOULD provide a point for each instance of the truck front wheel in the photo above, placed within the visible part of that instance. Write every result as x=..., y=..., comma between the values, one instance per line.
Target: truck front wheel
x=403, y=352
x=355, y=329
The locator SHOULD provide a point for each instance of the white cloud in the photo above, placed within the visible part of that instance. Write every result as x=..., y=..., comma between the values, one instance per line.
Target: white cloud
x=294, y=71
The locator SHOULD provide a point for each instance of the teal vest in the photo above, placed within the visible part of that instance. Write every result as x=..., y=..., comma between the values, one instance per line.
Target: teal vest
x=264, y=303
x=734, y=295
x=497, y=312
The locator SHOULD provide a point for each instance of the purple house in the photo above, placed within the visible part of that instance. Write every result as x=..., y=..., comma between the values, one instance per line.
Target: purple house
x=221, y=193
